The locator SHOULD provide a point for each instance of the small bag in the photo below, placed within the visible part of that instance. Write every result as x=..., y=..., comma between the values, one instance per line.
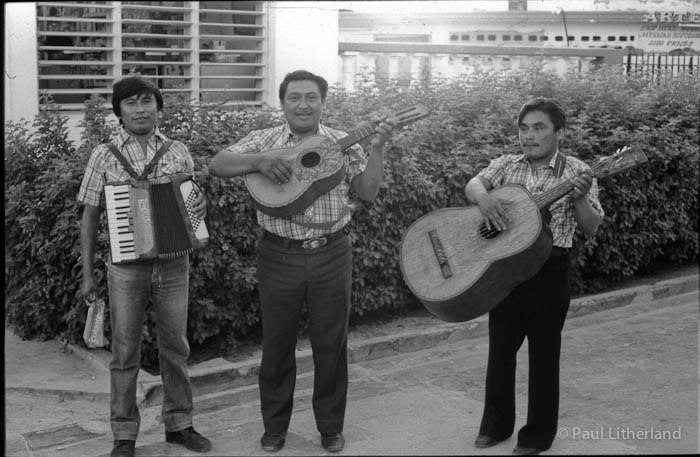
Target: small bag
x=94, y=335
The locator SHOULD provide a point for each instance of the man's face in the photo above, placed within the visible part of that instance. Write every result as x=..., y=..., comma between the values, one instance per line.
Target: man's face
x=303, y=106
x=139, y=114
x=538, y=139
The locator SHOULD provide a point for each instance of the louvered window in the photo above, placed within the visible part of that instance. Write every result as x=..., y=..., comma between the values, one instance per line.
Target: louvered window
x=212, y=52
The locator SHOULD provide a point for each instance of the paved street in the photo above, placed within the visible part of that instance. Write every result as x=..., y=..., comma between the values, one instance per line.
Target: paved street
x=629, y=385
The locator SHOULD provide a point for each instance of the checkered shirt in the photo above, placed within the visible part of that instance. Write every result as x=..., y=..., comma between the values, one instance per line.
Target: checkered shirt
x=328, y=207
x=516, y=169
x=103, y=167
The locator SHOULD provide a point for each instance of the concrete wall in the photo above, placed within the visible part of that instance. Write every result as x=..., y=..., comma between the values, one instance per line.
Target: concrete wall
x=21, y=84
x=303, y=35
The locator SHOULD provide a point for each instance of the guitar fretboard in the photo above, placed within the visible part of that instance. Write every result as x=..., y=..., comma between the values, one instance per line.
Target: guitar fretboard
x=607, y=166
x=403, y=117
x=357, y=135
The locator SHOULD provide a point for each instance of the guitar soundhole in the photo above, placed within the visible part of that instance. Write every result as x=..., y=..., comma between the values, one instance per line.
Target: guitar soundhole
x=488, y=233
x=311, y=159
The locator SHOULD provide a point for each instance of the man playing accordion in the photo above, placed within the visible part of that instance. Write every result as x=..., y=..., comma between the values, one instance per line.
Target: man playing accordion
x=139, y=147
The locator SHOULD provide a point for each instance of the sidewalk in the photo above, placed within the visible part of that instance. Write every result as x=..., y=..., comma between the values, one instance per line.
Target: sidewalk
x=57, y=373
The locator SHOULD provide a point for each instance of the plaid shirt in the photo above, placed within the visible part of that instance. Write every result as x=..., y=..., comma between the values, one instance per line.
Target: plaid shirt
x=516, y=169
x=329, y=206
x=103, y=167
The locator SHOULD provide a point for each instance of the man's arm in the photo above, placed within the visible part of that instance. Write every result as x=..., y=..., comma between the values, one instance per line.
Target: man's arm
x=227, y=164
x=586, y=216
x=477, y=191
x=88, y=242
x=366, y=184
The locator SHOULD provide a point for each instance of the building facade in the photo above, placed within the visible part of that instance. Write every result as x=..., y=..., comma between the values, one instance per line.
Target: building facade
x=237, y=52
x=409, y=47
x=227, y=52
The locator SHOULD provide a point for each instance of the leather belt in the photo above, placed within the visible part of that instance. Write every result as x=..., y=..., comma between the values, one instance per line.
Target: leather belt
x=311, y=243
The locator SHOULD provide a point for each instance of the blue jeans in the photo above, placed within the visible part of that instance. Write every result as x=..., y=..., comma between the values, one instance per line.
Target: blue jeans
x=165, y=284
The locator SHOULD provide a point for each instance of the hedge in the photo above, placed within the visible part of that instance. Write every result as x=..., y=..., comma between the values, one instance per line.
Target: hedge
x=651, y=212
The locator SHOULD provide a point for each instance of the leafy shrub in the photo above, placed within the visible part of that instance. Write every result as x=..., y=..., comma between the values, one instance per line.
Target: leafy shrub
x=651, y=212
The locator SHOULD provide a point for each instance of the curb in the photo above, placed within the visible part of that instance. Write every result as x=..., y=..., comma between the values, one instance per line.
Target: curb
x=207, y=376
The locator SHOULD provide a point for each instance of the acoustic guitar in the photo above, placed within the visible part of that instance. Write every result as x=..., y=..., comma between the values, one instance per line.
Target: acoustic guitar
x=460, y=269
x=317, y=167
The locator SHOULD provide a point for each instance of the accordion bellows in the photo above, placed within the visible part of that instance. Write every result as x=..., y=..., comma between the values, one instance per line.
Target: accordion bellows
x=153, y=219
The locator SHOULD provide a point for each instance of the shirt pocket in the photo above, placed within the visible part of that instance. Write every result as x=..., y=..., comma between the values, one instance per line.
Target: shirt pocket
x=170, y=166
x=114, y=172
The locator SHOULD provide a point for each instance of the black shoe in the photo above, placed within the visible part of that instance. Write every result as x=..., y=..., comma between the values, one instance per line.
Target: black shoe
x=273, y=442
x=483, y=441
x=526, y=450
x=123, y=448
x=190, y=439
x=332, y=442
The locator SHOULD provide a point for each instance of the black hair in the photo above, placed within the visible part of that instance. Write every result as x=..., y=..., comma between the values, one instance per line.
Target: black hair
x=549, y=106
x=133, y=85
x=303, y=75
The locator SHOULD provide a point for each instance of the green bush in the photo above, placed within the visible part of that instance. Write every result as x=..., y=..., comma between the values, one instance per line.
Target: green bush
x=651, y=212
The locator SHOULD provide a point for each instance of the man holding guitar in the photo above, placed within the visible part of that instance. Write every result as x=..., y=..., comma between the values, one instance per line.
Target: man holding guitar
x=304, y=257
x=537, y=308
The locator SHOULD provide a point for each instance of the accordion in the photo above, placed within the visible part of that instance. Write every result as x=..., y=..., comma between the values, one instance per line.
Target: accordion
x=153, y=219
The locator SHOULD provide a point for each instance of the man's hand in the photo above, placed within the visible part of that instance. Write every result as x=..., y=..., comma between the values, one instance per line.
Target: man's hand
x=89, y=288
x=383, y=133
x=199, y=205
x=276, y=169
x=492, y=208
x=582, y=184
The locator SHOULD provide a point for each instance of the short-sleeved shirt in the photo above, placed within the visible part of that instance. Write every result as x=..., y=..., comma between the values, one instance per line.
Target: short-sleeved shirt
x=329, y=208
x=516, y=169
x=103, y=167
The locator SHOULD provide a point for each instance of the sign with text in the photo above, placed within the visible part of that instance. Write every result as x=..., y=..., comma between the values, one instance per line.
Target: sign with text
x=665, y=37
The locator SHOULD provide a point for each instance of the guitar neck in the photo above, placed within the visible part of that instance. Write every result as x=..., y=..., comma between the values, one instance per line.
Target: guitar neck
x=622, y=160
x=548, y=197
x=357, y=135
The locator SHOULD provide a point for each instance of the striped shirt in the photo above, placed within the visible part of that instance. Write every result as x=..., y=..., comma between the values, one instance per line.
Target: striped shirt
x=103, y=167
x=516, y=169
x=330, y=207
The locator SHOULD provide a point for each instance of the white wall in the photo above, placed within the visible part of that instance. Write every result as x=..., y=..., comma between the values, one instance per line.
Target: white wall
x=21, y=84
x=303, y=36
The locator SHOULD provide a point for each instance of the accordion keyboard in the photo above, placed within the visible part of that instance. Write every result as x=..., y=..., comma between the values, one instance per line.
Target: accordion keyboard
x=121, y=233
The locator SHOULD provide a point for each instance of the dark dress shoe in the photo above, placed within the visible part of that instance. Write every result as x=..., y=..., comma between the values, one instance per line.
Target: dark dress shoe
x=272, y=442
x=332, y=442
x=190, y=439
x=123, y=448
x=483, y=441
x=526, y=450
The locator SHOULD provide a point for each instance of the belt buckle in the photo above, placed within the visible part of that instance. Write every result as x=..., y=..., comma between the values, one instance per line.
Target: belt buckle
x=314, y=243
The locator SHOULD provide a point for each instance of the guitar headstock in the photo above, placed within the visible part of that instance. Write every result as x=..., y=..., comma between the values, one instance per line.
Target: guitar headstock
x=622, y=160
x=411, y=114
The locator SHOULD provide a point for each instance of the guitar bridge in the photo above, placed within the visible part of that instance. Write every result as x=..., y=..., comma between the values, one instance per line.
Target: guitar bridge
x=440, y=254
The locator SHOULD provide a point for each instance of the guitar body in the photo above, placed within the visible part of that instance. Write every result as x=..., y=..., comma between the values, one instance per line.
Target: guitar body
x=460, y=271
x=317, y=167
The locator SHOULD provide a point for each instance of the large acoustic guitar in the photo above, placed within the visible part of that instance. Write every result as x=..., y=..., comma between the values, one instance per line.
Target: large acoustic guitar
x=317, y=167
x=459, y=269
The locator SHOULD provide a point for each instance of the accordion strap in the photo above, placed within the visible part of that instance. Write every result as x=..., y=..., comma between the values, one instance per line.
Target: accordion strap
x=146, y=171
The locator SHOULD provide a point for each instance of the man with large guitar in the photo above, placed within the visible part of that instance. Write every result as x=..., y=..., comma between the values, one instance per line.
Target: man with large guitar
x=537, y=308
x=304, y=256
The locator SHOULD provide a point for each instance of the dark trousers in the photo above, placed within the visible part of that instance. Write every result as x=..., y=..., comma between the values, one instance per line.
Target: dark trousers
x=535, y=309
x=288, y=277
